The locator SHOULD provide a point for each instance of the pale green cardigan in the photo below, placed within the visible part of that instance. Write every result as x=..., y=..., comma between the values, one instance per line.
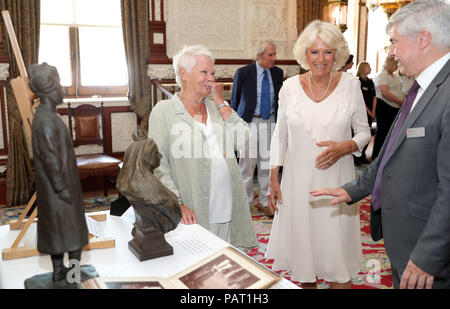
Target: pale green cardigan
x=187, y=172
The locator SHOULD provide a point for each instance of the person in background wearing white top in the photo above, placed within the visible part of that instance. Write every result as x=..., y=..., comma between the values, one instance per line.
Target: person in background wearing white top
x=196, y=138
x=389, y=99
x=313, y=142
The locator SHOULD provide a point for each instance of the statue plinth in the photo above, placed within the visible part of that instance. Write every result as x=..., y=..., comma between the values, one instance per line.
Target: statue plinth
x=45, y=280
x=148, y=238
x=148, y=245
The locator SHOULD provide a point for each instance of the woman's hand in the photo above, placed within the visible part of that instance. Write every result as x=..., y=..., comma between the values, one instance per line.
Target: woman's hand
x=334, y=151
x=371, y=113
x=217, y=96
x=187, y=215
x=217, y=93
x=274, y=194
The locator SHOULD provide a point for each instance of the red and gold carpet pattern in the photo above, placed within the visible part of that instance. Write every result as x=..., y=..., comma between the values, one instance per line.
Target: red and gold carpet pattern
x=375, y=269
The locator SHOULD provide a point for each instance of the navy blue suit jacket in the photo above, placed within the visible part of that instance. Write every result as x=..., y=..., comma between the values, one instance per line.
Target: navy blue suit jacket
x=243, y=94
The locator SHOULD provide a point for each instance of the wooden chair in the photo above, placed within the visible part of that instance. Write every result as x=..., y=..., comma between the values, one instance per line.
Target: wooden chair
x=89, y=121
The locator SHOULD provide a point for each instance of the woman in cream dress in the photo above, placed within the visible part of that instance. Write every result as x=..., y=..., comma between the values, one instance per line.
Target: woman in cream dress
x=313, y=142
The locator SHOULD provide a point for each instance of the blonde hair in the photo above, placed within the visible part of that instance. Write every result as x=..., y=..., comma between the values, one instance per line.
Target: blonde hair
x=330, y=35
x=361, y=66
x=390, y=64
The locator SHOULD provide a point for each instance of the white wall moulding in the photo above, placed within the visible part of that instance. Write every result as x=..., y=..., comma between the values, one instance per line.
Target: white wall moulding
x=230, y=29
x=165, y=71
x=218, y=25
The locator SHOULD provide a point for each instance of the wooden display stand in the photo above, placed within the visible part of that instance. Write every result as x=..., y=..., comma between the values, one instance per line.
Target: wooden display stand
x=25, y=98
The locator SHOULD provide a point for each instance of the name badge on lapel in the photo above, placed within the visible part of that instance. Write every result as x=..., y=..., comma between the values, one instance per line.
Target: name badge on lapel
x=415, y=132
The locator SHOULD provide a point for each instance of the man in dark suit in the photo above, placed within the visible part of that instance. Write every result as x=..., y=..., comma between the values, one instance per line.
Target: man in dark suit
x=410, y=179
x=255, y=98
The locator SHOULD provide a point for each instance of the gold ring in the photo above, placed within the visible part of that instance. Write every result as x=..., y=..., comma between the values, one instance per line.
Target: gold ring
x=330, y=161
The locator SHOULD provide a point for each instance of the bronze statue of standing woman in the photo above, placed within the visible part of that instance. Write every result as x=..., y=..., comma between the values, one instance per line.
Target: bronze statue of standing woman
x=62, y=225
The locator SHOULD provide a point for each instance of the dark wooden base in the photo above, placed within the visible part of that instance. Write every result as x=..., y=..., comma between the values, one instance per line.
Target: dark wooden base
x=149, y=245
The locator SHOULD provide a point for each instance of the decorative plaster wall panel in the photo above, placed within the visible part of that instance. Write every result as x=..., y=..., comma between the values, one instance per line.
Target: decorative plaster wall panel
x=123, y=125
x=4, y=74
x=158, y=38
x=4, y=71
x=157, y=10
x=2, y=144
x=218, y=25
x=160, y=71
x=166, y=71
x=231, y=28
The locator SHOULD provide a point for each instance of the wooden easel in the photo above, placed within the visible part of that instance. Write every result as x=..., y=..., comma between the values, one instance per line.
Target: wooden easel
x=25, y=98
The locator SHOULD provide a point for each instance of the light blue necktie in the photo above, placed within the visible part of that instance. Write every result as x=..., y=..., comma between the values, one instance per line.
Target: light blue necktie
x=264, y=110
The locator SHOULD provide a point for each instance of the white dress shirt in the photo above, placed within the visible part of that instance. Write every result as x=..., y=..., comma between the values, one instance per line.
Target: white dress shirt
x=426, y=77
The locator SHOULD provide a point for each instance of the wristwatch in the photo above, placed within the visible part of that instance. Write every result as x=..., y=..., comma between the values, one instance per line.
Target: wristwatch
x=225, y=103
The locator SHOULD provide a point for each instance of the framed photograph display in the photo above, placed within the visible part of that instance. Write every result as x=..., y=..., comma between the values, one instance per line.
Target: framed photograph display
x=226, y=269
x=127, y=283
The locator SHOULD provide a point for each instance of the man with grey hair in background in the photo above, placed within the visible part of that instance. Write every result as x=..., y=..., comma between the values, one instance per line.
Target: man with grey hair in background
x=410, y=179
x=255, y=98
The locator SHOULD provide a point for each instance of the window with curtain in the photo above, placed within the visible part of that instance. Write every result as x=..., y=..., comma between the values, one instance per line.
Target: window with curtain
x=83, y=40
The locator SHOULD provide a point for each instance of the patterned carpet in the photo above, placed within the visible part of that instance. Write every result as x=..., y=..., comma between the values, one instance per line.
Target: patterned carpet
x=375, y=269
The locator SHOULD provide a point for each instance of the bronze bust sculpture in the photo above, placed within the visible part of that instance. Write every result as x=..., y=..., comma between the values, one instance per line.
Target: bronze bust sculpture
x=156, y=207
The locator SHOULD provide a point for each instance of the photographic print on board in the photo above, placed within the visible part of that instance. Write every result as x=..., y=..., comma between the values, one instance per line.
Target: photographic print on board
x=134, y=285
x=220, y=273
x=226, y=269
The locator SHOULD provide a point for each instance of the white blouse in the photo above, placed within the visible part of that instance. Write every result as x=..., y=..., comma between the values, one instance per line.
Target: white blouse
x=393, y=83
x=221, y=196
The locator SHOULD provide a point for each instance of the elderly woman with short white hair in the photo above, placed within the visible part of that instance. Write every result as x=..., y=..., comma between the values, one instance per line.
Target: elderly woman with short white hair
x=197, y=138
x=313, y=141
